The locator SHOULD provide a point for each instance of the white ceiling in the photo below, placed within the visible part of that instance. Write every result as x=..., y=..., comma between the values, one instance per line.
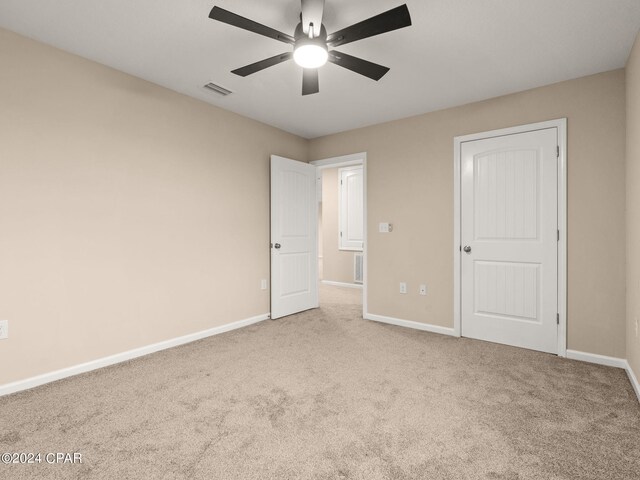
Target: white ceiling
x=456, y=52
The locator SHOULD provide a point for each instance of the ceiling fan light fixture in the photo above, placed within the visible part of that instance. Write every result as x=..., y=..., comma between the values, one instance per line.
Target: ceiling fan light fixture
x=310, y=54
x=311, y=49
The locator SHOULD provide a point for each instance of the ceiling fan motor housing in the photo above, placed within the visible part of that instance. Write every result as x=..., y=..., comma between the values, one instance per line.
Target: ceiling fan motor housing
x=300, y=36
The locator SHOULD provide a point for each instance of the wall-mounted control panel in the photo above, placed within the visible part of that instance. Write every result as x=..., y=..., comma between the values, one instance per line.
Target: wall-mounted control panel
x=384, y=227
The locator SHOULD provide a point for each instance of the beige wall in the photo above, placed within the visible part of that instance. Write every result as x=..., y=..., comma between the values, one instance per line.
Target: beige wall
x=633, y=208
x=129, y=214
x=337, y=264
x=410, y=184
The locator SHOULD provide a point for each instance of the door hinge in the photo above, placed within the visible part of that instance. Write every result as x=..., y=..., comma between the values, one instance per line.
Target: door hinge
x=341, y=234
x=460, y=247
x=558, y=151
x=557, y=319
x=558, y=234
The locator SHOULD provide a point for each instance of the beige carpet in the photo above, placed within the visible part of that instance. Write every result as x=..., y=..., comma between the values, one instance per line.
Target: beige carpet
x=327, y=395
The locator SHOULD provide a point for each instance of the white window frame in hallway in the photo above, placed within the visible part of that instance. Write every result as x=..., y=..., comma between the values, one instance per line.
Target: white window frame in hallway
x=346, y=161
x=561, y=125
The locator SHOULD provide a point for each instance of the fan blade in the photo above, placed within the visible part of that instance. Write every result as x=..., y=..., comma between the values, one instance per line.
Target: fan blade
x=312, y=13
x=230, y=18
x=385, y=22
x=262, y=64
x=358, y=65
x=310, y=83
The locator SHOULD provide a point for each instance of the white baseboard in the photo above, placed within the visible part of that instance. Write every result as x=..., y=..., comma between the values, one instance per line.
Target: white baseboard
x=609, y=362
x=341, y=284
x=595, y=358
x=634, y=380
x=124, y=356
x=411, y=324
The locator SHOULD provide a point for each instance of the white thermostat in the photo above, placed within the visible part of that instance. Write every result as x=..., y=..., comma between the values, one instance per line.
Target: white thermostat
x=385, y=227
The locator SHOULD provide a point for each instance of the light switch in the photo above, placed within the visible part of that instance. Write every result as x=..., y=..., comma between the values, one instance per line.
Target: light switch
x=385, y=227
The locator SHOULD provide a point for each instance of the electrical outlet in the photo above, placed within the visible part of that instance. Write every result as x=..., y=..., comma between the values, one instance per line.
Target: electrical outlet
x=403, y=287
x=263, y=284
x=4, y=329
x=422, y=290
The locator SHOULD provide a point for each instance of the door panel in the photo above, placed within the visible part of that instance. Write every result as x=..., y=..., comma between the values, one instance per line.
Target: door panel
x=509, y=227
x=294, y=220
x=506, y=195
x=507, y=289
x=351, y=211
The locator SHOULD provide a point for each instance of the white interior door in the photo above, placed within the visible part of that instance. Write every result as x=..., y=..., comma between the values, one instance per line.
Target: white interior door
x=509, y=239
x=294, y=242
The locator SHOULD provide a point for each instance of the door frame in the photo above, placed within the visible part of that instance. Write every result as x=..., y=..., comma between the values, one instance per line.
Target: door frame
x=346, y=161
x=561, y=125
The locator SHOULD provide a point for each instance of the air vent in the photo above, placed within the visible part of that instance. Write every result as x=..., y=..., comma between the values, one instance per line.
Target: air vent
x=358, y=267
x=218, y=89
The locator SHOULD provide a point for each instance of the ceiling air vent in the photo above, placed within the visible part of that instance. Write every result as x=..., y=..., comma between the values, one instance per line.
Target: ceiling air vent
x=218, y=89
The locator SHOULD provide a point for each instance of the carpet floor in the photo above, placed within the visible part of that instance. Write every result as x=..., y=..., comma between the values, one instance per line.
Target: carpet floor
x=327, y=395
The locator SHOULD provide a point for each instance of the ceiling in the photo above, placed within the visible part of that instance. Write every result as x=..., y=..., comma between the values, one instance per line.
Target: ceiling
x=456, y=51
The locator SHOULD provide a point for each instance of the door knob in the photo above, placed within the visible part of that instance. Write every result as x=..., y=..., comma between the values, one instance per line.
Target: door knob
x=467, y=249
x=277, y=245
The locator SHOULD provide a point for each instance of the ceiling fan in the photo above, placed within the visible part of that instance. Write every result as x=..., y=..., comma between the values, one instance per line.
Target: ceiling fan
x=311, y=43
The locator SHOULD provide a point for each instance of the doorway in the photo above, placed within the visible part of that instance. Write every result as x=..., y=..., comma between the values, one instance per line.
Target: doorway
x=510, y=238
x=342, y=229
